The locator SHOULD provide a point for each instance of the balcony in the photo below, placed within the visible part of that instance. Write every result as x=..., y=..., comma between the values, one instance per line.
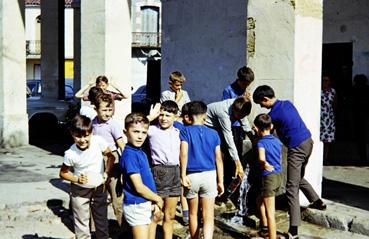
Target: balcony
x=146, y=39
x=33, y=48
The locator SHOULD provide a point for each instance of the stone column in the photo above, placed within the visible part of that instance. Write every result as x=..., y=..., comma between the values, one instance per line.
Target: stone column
x=52, y=50
x=284, y=50
x=77, y=45
x=106, y=46
x=13, y=116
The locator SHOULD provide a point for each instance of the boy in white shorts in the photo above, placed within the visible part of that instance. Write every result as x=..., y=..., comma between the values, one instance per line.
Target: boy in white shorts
x=138, y=183
x=201, y=169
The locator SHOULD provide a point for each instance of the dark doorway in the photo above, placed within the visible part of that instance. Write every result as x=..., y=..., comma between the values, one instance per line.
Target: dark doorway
x=337, y=63
x=153, y=79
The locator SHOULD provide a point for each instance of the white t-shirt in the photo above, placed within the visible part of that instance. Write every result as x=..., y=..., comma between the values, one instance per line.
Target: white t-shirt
x=89, y=162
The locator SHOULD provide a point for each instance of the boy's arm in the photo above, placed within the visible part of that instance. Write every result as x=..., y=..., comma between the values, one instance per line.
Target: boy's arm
x=144, y=191
x=83, y=90
x=109, y=163
x=124, y=96
x=220, y=170
x=67, y=175
x=120, y=143
x=226, y=127
x=264, y=164
x=183, y=164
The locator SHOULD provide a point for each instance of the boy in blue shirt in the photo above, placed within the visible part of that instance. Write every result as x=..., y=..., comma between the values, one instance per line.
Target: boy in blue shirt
x=269, y=151
x=138, y=184
x=201, y=169
x=294, y=134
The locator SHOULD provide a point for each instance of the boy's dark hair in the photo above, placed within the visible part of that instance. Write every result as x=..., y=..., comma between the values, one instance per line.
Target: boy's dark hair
x=186, y=109
x=263, y=91
x=176, y=76
x=102, y=78
x=135, y=118
x=197, y=108
x=263, y=122
x=169, y=106
x=245, y=74
x=80, y=125
x=106, y=98
x=93, y=93
x=241, y=106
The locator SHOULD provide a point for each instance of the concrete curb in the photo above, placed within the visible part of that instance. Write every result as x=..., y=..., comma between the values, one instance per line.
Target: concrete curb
x=339, y=216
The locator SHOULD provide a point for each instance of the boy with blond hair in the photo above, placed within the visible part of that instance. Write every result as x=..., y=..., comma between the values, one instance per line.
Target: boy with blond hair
x=175, y=92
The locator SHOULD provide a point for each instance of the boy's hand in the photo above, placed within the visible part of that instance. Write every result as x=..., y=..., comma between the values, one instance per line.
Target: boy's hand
x=156, y=212
x=154, y=111
x=179, y=95
x=160, y=203
x=220, y=188
x=268, y=167
x=82, y=179
x=186, y=182
x=239, y=169
x=106, y=178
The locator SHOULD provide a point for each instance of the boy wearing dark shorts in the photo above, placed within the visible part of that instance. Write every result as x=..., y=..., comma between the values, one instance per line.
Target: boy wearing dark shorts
x=270, y=151
x=165, y=147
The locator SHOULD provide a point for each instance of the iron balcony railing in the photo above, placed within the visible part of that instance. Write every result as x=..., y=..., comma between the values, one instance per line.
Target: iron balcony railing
x=146, y=39
x=33, y=47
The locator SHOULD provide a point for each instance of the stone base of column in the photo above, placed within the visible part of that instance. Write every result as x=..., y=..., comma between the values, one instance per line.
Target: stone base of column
x=13, y=130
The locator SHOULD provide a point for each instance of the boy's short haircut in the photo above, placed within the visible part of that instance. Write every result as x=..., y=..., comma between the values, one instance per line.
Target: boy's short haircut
x=241, y=106
x=263, y=91
x=176, y=76
x=245, y=74
x=106, y=98
x=80, y=125
x=102, y=78
x=93, y=93
x=135, y=118
x=169, y=106
x=263, y=122
x=197, y=108
x=186, y=109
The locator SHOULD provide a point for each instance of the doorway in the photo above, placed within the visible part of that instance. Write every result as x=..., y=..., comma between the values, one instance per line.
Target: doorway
x=337, y=63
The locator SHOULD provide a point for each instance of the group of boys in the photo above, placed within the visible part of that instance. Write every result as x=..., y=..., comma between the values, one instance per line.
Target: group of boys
x=186, y=153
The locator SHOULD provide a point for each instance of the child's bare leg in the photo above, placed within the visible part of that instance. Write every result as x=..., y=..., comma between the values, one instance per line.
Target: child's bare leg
x=269, y=203
x=263, y=216
x=154, y=222
x=140, y=232
x=194, y=206
x=207, y=205
x=170, y=204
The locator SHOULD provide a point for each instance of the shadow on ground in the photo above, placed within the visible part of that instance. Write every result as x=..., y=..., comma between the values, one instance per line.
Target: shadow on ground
x=338, y=191
x=61, y=184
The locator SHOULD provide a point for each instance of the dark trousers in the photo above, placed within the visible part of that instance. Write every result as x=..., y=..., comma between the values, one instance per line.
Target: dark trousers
x=297, y=159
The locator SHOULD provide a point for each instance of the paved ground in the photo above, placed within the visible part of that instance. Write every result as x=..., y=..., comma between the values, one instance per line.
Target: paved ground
x=34, y=201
